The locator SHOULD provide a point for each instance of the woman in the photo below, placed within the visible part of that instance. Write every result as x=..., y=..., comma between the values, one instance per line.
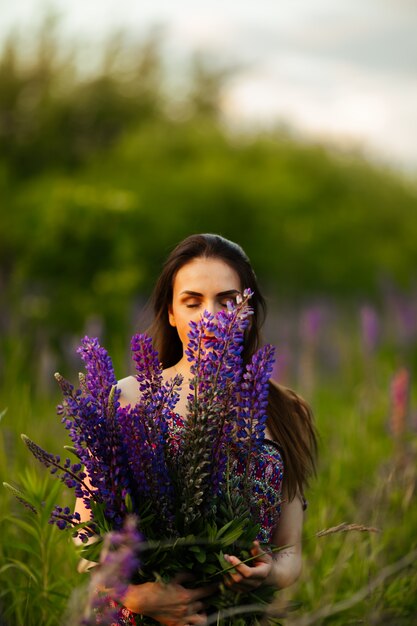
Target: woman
x=202, y=273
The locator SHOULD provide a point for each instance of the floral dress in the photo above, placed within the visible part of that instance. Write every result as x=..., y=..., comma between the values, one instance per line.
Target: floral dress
x=266, y=475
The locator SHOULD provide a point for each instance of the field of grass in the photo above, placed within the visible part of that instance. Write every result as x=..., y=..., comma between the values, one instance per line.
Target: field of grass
x=367, y=475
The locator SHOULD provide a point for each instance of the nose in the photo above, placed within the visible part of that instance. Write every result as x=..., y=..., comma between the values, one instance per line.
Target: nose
x=212, y=307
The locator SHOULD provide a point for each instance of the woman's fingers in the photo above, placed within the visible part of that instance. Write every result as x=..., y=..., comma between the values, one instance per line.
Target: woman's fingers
x=194, y=607
x=193, y=615
x=175, y=605
x=182, y=577
x=256, y=549
x=196, y=618
x=202, y=592
x=243, y=569
x=249, y=576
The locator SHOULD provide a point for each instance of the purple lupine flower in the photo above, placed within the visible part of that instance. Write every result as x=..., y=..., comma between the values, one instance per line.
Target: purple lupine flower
x=19, y=495
x=144, y=429
x=214, y=349
x=253, y=402
x=311, y=323
x=369, y=328
x=282, y=364
x=64, y=518
x=229, y=333
x=148, y=366
x=90, y=416
x=138, y=448
x=120, y=556
x=403, y=311
x=140, y=452
x=119, y=561
x=110, y=474
x=72, y=475
x=100, y=376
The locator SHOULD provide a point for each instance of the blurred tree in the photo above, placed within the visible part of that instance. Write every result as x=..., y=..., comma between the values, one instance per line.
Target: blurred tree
x=99, y=179
x=50, y=119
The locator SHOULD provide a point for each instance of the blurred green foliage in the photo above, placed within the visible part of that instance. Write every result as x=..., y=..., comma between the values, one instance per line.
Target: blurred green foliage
x=102, y=173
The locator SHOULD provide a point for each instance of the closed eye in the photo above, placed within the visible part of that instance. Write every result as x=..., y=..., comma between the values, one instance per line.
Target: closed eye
x=224, y=302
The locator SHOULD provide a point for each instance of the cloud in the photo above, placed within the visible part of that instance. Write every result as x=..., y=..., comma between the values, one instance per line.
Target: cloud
x=332, y=100
x=344, y=69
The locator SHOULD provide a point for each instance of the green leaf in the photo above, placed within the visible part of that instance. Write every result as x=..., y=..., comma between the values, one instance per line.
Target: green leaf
x=224, y=528
x=129, y=503
x=32, y=530
x=201, y=556
x=25, y=569
x=199, y=552
x=232, y=536
x=91, y=552
x=25, y=547
x=224, y=564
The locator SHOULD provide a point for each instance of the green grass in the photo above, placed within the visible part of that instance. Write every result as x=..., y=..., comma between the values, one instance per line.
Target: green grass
x=364, y=477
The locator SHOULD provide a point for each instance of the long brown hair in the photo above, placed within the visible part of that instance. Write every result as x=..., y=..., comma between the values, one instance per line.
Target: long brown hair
x=290, y=418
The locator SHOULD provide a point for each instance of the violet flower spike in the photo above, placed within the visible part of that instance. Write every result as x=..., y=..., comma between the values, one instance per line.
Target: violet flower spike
x=253, y=402
x=100, y=376
x=144, y=429
x=216, y=365
x=90, y=418
x=71, y=474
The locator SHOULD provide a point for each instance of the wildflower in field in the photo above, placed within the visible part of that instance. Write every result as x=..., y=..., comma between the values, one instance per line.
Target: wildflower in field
x=400, y=399
x=369, y=328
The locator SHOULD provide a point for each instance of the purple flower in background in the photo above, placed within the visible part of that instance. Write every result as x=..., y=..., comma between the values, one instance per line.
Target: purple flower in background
x=370, y=328
x=312, y=320
x=406, y=314
x=282, y=364
x=402, y=315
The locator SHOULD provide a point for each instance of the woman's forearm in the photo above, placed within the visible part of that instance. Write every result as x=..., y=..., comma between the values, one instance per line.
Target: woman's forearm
x=286, y=568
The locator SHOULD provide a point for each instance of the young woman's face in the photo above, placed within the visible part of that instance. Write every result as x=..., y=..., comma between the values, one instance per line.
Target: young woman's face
x=203, y=284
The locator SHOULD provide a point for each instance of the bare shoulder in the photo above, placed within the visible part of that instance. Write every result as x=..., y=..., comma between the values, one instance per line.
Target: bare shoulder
x=130, y=392
x=129, y=387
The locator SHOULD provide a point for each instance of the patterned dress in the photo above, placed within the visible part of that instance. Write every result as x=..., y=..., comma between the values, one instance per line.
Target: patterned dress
x=266, y=476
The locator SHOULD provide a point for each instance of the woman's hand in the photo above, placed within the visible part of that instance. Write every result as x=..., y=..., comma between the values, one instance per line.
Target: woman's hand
x=252, y=575
x=171, y=604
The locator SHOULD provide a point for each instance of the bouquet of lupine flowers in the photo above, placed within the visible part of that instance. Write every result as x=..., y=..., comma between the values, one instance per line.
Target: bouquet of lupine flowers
x=188, y=504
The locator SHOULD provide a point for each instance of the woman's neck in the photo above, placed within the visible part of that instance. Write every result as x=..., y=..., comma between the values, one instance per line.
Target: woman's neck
x=183, y=367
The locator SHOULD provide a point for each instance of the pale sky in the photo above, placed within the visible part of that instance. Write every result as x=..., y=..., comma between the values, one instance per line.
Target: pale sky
x=339, y=70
